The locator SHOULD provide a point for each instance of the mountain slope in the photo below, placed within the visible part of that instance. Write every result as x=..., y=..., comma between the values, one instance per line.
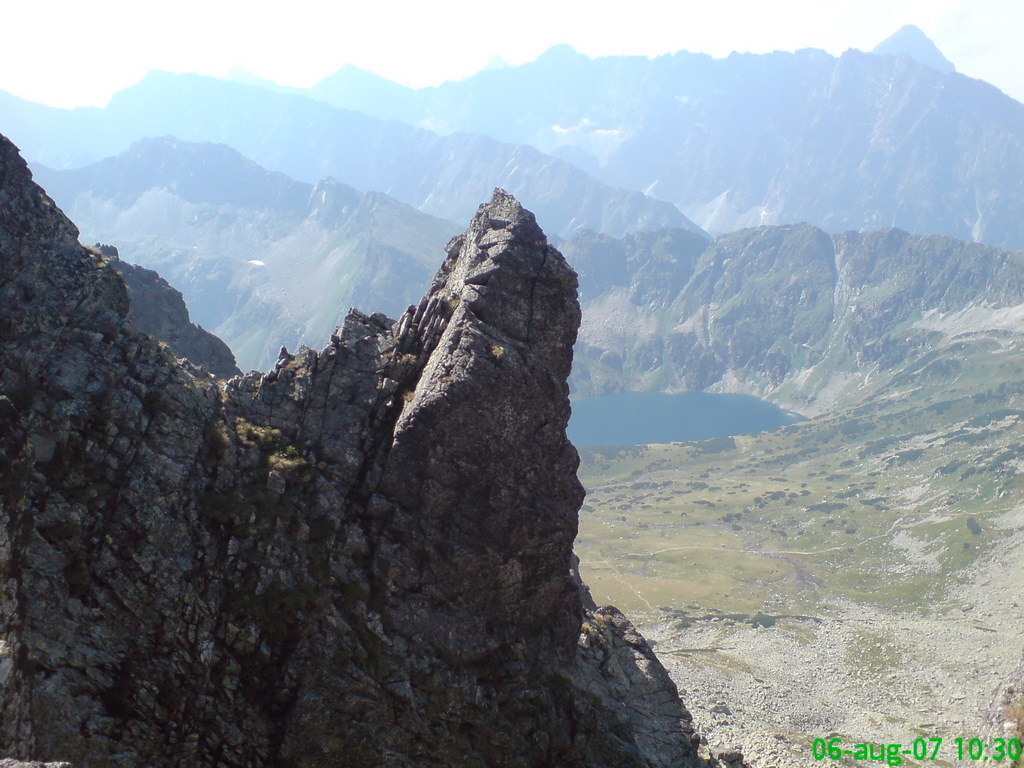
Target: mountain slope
x=910, y=41
x=310, y=140
x=159, y=310
x=883, y=534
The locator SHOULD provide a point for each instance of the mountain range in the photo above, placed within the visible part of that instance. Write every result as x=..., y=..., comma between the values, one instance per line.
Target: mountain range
x=309, y=140
x=791, y=313
x=863, y=140
x=895, y=137
x=865, y=279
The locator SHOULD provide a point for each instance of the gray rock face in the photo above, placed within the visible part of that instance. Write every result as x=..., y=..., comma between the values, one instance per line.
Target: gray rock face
x=360, y=558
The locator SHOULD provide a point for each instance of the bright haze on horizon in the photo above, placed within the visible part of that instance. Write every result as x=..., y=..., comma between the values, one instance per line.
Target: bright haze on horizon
x=72, y=54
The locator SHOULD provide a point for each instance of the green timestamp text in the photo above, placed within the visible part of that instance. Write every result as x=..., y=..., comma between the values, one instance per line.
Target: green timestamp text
x=920, y=749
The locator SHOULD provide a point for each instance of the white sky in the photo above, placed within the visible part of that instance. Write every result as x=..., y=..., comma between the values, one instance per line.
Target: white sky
x=75, y=53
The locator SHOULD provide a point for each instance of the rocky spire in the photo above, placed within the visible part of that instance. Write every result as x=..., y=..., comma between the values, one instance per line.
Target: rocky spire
x=361, y=558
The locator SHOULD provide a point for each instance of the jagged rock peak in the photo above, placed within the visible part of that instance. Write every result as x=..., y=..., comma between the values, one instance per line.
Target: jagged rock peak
x=910, y=41
x=23, y=202
x=363, y=557
x=514, y=280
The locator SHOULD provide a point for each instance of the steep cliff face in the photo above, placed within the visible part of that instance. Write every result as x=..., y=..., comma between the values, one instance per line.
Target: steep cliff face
x=359, y=558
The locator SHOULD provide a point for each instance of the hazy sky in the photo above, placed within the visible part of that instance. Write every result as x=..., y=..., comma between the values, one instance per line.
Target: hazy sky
x=75, y=53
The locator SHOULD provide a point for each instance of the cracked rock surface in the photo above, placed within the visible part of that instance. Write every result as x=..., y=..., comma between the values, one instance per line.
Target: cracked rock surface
x=360, y=558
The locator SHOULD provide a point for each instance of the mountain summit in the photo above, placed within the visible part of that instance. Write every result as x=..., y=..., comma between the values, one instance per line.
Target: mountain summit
x=910, y=41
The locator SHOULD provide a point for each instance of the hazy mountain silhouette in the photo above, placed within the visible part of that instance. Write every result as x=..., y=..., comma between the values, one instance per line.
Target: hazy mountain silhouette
x=863, y=140
x=911, y=41
x=309, y=140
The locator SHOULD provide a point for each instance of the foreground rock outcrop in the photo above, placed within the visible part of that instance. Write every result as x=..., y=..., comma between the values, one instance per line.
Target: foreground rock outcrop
x=361, y=558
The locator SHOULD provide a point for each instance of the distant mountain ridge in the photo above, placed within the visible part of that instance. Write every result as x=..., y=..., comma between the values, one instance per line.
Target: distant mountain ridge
x=617, y=144
x=791, y=313
x=858, y=141
x=310, y=140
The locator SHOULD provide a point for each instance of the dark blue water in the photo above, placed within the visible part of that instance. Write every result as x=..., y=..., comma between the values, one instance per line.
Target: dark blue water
x=629, y=418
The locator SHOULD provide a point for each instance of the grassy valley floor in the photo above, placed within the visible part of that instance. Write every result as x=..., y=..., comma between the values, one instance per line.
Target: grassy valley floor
x=856, y=575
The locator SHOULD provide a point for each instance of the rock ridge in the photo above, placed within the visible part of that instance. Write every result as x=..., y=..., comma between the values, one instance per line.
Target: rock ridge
x=362, y=557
